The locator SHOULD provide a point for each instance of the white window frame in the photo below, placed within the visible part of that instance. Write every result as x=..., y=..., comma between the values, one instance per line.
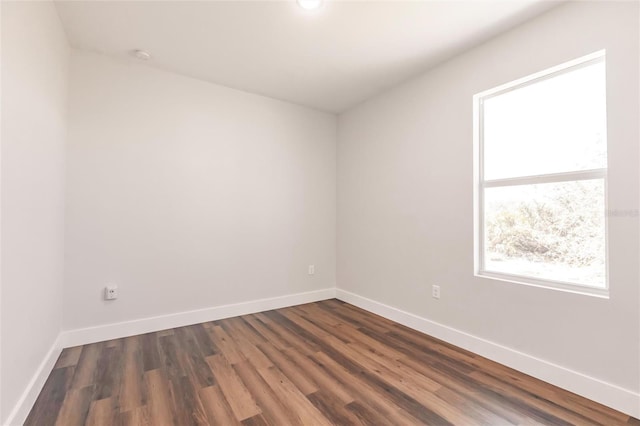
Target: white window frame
x=480, y=184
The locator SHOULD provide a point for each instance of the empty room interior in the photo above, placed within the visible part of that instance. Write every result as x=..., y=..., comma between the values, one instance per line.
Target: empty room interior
x=320, y=212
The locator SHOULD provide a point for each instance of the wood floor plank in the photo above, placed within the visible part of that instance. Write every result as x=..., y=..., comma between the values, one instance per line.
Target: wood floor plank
x=291, y=397
x=238, y=327
x=318, y=373
x=452, y=377
x=550, y=408
x=581, y=406
x=85, y=370
x=351, y=334
x=158, y=398
x=272, y=409
x=363, y=390
x=364, y=414
x=472, y=409
x=237, y=395
x=69, y=357
x=47, y=407
x=420, y=388
x=150, y=352
x=311, y=310
x=303, y=345
x=137, y=417
x=203, y=340
x=460, y=364
x=101, y=413
x=357, y=317
x=469, y=390
x=227, y=345
x=258, y=420
x=168, y=350
x=248, y=350
x=395, y=369
x=299, y=376
x=109, y=373
x=264, y=331
x=216, y=407
x=187, y=406
x=333, y=409
x=75, y=407
x=192, y=355
x=131, y=384
x=315, y=364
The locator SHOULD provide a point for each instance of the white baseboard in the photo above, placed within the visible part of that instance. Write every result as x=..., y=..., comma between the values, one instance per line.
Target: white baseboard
x=597, y=390
x=21, y=410
x=118, y=330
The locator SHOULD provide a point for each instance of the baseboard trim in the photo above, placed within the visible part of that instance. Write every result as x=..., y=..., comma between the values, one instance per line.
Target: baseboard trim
x=597, y=390
x=101, y=333
x=21, y=410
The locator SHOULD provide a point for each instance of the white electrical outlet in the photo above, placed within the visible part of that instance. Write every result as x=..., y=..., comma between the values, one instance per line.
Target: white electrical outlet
x=111, y=292
x=435, y=291
x=312, y=269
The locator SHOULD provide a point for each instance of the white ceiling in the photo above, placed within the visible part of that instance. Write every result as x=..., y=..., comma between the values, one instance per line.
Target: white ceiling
x=329, y=59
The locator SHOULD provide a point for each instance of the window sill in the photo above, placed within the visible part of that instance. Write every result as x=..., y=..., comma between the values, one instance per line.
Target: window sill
x=602, y=293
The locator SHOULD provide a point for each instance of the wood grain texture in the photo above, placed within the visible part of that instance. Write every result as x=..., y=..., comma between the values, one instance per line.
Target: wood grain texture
x=324, y=363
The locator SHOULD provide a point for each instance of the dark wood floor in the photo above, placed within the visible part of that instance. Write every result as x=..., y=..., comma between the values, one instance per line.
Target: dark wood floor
x=317, y=364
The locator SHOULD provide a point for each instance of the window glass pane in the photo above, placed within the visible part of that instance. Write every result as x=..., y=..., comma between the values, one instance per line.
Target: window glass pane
x=552, y=231
x=555, y=125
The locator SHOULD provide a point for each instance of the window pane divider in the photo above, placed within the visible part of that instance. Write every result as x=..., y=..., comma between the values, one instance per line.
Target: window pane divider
x=547, y=178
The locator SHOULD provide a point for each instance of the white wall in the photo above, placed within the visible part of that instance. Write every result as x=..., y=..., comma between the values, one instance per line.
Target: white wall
x=34, y=115
x=190, y=195
x=405, y=198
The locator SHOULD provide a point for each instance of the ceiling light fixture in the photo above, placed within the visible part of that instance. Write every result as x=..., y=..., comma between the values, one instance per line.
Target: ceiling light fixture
x=309, y=4
x=143, y=55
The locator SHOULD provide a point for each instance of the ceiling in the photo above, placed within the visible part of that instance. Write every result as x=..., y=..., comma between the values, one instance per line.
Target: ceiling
x=330, y=59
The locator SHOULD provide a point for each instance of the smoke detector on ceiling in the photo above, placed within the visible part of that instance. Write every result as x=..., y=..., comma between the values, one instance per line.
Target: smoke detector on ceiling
x=143, y=55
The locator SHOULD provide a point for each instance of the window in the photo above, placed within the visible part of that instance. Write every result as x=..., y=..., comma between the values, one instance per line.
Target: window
x=541, y=178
